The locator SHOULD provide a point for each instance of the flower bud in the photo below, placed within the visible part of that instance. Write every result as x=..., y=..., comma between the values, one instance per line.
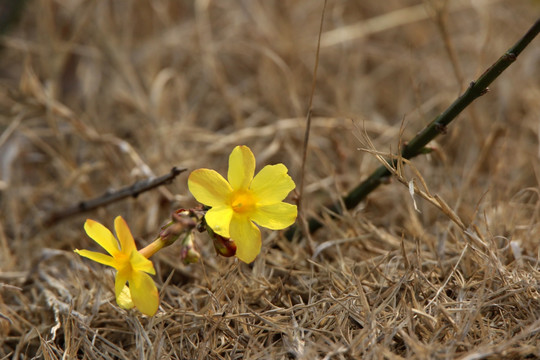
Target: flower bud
x=188, y=253
x=224, y=246
x=181, y=222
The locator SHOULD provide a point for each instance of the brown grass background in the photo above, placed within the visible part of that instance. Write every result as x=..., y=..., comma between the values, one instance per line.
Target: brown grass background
x=95, y=95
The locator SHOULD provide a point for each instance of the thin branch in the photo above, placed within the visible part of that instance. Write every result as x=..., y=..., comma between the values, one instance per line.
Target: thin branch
x=133, y=190
x=438, y=126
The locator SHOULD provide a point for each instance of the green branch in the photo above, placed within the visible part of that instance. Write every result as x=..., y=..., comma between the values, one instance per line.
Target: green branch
x=437, y=126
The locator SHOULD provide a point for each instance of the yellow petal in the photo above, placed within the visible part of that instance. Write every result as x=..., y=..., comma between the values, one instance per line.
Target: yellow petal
x=140, y=263
x=97, y=257
x=102, y=236
x=241, y=167
x=247, y=238
x=272, y=184
x=127, y=244
x=124, y=299
x=144, y=293
x=219, y=218
x=209, y=188
x=119, y=284
x=275, y=216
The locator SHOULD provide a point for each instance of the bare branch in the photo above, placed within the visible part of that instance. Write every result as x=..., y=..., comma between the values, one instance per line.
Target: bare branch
x=109, y=197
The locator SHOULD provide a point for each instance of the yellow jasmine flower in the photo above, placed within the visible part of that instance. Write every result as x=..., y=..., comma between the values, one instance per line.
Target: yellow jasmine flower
x=244, y=200
x=132, y=266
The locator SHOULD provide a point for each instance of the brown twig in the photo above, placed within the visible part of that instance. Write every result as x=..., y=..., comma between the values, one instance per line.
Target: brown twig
x=109, y=197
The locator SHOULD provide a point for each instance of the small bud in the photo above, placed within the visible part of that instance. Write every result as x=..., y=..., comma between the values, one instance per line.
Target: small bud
x=190, y=256
x=188, y=253
x=181, y=222
x=224, y=246
x=171, y=232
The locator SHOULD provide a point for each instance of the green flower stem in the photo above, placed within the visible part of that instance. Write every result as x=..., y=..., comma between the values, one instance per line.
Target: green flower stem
x=437, y=126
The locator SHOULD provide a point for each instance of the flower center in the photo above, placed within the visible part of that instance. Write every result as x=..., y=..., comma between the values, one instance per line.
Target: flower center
x=243, y=202
x=123, y=262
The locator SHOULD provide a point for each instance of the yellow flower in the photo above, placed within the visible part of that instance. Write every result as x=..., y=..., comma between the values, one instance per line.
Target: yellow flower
x=244, y=199
x=131, y=265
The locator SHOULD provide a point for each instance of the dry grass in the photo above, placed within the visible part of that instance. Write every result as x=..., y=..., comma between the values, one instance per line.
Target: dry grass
x=95, y=95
